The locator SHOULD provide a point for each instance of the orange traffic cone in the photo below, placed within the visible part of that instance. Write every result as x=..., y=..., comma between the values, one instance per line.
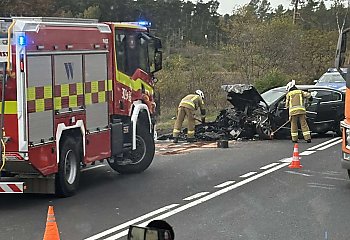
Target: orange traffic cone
x=296, y=159
x=51, y=231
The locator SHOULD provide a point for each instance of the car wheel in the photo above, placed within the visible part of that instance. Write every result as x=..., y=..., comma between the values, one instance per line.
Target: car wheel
x=137, y=160
x=67, y=178
x=264, y=130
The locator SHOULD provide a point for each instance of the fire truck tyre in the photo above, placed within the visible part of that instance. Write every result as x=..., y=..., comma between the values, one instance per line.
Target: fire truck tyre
x=67, y=178
x=139, y=159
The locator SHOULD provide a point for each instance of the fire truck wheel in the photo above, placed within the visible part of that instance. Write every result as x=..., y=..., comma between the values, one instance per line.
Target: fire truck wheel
x=139, y=159
x=67, y=178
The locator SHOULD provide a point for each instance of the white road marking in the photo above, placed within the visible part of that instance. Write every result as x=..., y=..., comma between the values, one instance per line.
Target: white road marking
x=313, y=186
x=127, y=224
x=307, y=153
x=339, y=179
x=286, y=160
x=224, y=184
x=298, y=173
x=324, y=143
x=269, y=166
x=203, y=199
x=197, y=195
x=93, y=167
x=324, y=173
x=322, y=184
x=247, y=174
x=330, y=145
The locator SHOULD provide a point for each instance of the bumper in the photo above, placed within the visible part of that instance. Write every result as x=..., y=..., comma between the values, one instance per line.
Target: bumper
x=12, y=187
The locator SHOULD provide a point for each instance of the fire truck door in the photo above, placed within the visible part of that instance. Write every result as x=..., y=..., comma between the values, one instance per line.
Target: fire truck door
x=39, y=99
x=96, y=91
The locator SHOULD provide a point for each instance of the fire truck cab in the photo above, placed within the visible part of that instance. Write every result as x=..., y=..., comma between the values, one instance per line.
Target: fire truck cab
x=73, y=92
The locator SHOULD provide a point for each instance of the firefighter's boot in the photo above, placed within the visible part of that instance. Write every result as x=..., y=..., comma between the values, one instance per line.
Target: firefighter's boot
x=175, y=140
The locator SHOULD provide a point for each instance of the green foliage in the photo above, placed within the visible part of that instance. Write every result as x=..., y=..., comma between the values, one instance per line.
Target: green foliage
x=255, y=44
x=272, y=79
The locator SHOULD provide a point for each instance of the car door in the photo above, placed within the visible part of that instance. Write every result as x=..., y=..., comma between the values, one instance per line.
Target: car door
x=323, y=113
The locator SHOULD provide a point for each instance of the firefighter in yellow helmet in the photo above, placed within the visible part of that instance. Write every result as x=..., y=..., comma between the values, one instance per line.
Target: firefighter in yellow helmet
x=295, y=102
x=187, y=108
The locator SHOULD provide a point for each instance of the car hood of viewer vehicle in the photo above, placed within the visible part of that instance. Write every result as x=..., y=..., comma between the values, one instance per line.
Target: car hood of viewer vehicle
x=242, y=95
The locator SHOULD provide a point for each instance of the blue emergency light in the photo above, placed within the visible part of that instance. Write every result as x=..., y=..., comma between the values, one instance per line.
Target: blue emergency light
x=22, y=40
x=144, y=23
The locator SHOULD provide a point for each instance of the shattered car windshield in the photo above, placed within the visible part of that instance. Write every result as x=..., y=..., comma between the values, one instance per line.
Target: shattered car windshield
x=271, y=96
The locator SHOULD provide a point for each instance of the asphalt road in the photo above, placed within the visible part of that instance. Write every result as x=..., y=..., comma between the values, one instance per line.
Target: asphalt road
x=244, y=192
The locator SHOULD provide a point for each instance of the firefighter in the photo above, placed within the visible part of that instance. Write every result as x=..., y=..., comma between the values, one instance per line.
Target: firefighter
x=295, y=102
x=187, y=107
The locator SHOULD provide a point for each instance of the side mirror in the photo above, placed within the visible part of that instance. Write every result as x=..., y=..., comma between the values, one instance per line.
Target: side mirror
x=145, y=233
x=158, y=61
x=340, y=52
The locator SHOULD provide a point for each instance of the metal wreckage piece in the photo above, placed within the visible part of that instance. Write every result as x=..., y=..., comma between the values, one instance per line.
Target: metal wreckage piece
x=247, y=119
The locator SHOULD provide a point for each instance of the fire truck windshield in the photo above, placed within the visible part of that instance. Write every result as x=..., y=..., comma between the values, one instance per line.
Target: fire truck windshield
x=132, y=52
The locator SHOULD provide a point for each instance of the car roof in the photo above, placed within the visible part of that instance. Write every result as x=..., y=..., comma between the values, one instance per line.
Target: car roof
x=305, y=87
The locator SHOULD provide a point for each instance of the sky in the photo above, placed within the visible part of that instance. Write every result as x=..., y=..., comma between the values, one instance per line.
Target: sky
x=226, y=6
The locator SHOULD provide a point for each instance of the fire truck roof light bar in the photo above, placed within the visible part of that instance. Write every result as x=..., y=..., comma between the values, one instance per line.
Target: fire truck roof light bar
x=57, y=19
x=30, y=25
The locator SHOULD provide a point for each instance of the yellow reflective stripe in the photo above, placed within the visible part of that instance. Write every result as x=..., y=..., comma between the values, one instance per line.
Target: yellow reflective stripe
x=188, y=102
x=194, y=98
x=176, y=131
x=297, y=108
x=88, y=98
x=65, y=90
x=94, y=87
x=110, y=86
x=80, y=88
x=10, y=107
x=101, y=97
x=134, y=85
x=129, y=25
x=39, y=105
x=31, y=94
x=306, y=133
x=47, y=92
x=294, y=134
x=73, y=101
x=190, y=132
x=57, y=103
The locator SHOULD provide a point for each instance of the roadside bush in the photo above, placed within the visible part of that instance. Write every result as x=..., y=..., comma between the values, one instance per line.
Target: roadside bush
x=272, y=79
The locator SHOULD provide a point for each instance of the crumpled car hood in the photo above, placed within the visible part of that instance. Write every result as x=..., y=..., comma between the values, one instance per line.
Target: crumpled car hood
x=242, y=95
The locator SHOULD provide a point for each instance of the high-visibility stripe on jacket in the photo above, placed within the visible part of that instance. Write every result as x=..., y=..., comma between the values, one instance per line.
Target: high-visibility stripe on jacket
x=192, y=101
x=295, y=101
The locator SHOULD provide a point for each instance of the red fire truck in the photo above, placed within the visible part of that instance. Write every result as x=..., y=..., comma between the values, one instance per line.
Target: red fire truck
x=342, y=63
x=73, y=92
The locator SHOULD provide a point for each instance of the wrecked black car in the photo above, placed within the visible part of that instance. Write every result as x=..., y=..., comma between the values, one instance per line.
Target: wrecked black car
x=255, y=115
x=323, y=114
x=249, y=115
